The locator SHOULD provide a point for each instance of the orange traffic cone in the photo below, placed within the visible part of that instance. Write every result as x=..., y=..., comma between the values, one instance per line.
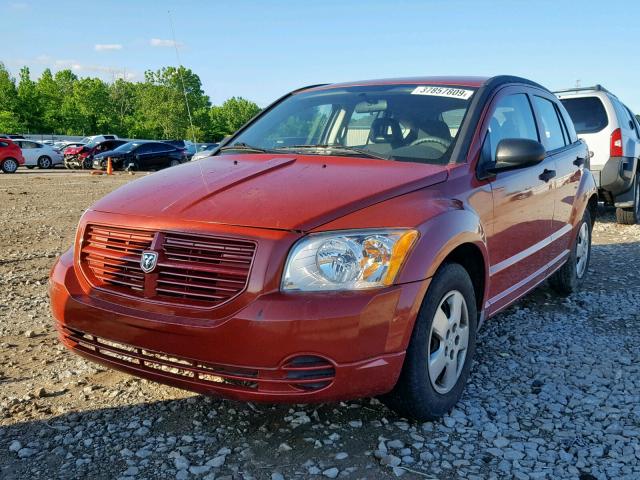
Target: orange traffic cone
x=109, y=167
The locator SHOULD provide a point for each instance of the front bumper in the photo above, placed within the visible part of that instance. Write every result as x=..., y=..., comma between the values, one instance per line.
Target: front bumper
x=277, y=348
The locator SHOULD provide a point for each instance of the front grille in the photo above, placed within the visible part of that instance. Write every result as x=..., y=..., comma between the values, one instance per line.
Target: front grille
x=112, y=256
x=299, y=374
x=205, y=267
x=194, y=269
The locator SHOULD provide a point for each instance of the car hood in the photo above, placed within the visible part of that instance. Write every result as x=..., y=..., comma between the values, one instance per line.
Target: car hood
x=269, y=191
x=73, y=150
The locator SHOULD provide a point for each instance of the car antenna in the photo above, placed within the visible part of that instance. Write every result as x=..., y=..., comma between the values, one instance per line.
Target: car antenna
x=184, y=90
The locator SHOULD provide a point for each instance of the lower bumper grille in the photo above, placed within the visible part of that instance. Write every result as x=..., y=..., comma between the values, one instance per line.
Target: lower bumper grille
x=300, y=373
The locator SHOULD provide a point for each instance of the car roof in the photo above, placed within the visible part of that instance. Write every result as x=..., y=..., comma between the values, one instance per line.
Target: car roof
x=456, y=81
x=461, y=81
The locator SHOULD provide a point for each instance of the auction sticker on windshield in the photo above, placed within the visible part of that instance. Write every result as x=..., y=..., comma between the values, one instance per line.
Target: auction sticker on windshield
x=443, y=92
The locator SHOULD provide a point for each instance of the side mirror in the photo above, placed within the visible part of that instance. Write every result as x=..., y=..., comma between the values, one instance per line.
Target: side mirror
x=514, y=153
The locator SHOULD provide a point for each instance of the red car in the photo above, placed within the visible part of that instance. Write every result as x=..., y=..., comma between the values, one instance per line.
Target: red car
x=347, y=242
x=81, y=156
x=10, y=156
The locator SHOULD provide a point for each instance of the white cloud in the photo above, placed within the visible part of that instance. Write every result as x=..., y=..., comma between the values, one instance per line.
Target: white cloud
x=159, y=42
x=101, y=47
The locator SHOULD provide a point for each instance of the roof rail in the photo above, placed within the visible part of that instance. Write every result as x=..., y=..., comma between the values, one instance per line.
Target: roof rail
x=597, y=88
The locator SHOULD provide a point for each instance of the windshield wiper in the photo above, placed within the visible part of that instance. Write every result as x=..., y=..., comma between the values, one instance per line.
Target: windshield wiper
x=244, y=147
x=359, y=151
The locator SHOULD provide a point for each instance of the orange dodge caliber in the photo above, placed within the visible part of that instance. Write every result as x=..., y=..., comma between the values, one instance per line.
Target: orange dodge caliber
x=347, y=242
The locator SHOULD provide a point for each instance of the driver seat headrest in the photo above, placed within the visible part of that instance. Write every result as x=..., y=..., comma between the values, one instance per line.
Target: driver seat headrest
x=385, y=130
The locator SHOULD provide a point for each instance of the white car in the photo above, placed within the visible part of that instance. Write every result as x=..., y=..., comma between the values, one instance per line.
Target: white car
x=613, y=134
x=38, y=154
x=98, y=138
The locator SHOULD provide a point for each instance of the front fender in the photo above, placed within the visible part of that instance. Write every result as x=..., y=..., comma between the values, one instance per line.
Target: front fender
x=441, y=235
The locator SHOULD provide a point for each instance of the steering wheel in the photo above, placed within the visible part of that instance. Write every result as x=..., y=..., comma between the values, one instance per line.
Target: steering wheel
x=440, y=142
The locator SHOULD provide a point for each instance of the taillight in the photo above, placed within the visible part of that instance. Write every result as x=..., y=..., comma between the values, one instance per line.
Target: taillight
x=616, y=143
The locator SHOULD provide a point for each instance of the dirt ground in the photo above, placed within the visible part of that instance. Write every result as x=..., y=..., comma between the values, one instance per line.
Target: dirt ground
x=63, y=417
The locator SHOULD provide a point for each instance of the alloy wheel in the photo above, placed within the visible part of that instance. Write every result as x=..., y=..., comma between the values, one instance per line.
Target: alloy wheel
x=10, y=165
x=448, y=342
x=44, y=162
x=582, y=250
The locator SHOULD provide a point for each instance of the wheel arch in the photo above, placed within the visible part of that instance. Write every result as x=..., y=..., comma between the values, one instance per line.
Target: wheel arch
x=456, y=236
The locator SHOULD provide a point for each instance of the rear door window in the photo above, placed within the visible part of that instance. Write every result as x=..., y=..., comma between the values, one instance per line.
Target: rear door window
x=588, y=113
x=552, y=133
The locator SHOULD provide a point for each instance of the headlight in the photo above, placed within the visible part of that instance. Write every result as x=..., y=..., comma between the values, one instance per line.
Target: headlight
x=347, y=260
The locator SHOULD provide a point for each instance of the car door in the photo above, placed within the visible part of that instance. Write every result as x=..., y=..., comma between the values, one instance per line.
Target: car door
x=143, y=157
x=570, y=155
x=523, y=201
x=161, y=155
x=29, y=151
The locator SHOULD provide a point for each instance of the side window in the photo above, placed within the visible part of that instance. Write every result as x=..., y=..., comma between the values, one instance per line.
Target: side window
x=631, y=120
x=4, y=144
x=622, y=114
x=512, y=118
x=553, y=136
x=159, y=147
x=146, y=148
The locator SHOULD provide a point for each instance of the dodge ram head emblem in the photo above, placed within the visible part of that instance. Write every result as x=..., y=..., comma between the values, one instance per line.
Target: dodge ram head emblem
x=148, y=261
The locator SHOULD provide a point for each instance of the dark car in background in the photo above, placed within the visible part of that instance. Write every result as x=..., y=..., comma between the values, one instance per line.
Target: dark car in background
x=141, y=155
x=82, y=156
x=189, y=147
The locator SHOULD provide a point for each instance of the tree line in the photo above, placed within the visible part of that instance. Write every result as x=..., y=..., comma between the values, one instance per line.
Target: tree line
x=65, y=104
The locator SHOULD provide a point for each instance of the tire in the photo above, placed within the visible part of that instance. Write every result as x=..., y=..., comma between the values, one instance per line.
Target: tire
x=45, y=162
x=10, y=165
x=570, y=276
x=87, y=163
x=132, y=167
x=174, y=163
x=421, y=393
x=630, y=216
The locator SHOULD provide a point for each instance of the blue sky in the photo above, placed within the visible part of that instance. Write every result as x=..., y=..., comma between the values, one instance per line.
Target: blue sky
x=262, y=49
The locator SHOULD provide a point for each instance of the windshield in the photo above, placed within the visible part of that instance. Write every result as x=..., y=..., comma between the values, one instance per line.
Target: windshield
x=127, y=147
x=415, y=123
x=588, y=113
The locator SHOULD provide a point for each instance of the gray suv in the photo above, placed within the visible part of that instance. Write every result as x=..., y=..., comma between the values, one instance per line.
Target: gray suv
x=612, y=133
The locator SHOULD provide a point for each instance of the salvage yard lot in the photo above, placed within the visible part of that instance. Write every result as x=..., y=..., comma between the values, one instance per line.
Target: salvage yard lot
x=554, y=391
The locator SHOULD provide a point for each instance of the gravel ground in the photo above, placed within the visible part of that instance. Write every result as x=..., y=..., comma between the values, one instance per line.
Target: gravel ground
x=554, y=392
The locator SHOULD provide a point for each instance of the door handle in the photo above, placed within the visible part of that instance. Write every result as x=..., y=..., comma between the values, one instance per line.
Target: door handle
x=578, y=162
x=547, y=175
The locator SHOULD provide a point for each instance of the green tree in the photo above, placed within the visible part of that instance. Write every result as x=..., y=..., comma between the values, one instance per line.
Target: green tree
x=91, y=99
x=29, y=107
x=50, y=101
x=163, y=106
x=9, y=121
x=230, y=116
x=154, y=108
x=69, y=121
